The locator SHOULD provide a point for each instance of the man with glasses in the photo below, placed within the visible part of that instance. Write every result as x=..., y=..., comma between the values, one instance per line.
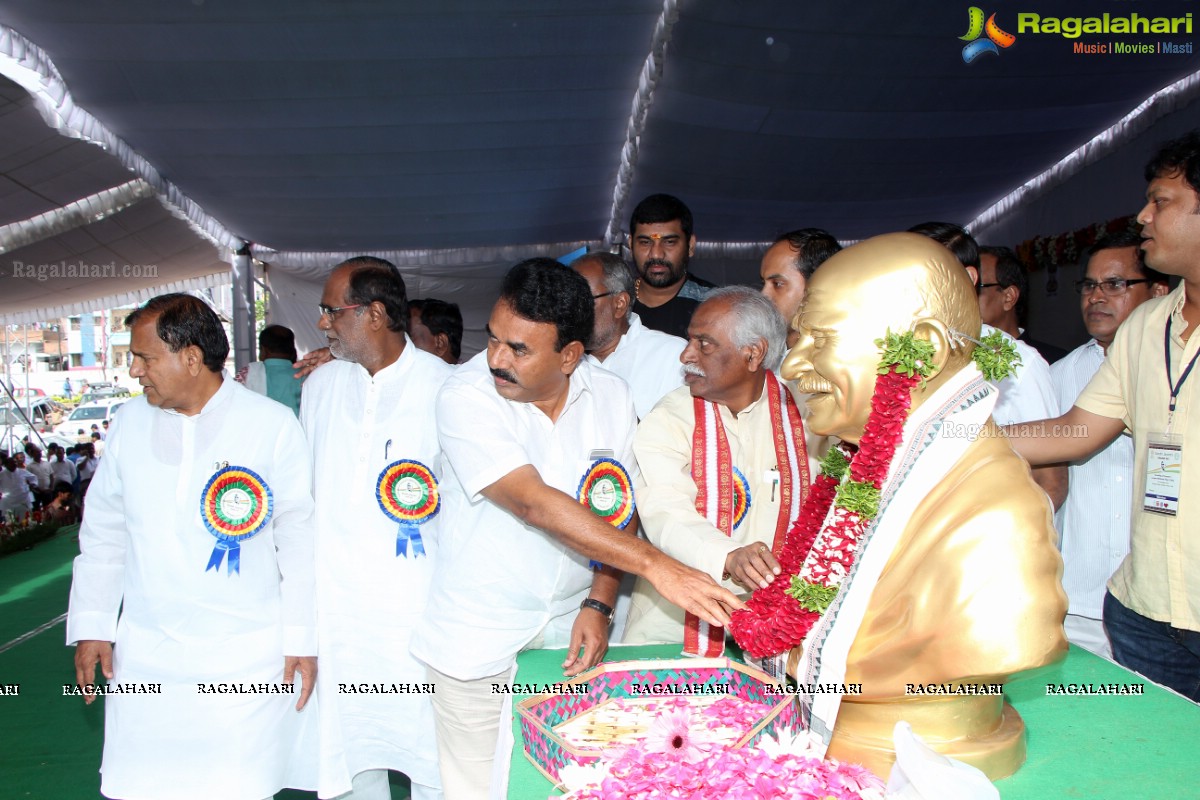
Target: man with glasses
x=1003, y=298
x=1094, y=522
x=647, y=359
x=1146, y=384
x=1027, y=394
x=369, y=417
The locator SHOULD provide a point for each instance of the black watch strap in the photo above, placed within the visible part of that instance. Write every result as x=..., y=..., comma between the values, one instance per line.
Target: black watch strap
x=603, y=608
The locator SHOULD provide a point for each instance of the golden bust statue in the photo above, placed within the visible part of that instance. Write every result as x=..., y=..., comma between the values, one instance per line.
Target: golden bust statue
x=971, y=593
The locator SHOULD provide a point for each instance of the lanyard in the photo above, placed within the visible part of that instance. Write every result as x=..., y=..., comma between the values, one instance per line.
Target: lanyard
x=1172, y=386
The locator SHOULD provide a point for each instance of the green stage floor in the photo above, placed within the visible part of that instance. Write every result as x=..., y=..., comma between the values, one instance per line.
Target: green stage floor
x=52, y=744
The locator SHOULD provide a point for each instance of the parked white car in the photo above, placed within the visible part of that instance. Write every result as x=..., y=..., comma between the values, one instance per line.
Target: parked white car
x=89, y=414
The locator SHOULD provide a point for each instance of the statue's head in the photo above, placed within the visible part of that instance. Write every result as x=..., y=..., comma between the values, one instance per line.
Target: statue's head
x=897, y=282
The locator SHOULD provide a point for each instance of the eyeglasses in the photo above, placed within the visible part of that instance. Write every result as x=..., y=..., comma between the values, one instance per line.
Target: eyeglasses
x=989, y=285
x=332, y=312
x=1111, y=287
x=598, y=296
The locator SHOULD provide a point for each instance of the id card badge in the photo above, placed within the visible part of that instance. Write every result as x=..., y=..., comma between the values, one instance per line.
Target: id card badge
x=1164, y=468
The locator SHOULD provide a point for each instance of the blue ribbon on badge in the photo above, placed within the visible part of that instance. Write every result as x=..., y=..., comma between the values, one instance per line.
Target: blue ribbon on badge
x=406, y=534
x=218, y=555
x=407, y=492
x=236, y=505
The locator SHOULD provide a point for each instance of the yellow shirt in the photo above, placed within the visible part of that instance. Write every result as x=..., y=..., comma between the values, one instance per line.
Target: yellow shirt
x=1160, y=578
x=666, y=499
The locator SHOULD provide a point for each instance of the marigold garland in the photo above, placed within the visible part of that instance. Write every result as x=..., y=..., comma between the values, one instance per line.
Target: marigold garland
x=816, y=558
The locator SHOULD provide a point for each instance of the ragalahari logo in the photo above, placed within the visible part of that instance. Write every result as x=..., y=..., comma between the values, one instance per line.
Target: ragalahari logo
x=996, y=38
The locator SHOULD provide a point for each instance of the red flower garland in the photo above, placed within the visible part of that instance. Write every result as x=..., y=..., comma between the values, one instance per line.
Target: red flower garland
x=774, y=622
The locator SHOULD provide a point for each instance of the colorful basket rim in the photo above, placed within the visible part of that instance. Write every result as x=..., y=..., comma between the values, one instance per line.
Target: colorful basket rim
x=531, y=722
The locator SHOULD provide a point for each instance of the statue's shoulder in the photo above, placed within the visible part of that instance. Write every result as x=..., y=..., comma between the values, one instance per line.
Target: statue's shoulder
x=991, y=485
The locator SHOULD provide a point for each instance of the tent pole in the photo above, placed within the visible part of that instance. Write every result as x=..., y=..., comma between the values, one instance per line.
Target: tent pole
x=243, y=307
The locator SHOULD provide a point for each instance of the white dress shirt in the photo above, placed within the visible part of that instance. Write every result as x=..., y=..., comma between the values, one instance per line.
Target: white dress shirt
x=42, y=471
x=63, y=471
x=368, y=597
x=498, y=582
x=648, y=360
x=1093, y=523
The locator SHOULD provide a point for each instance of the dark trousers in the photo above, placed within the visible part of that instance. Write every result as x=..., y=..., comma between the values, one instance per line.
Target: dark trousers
x=1166, y=655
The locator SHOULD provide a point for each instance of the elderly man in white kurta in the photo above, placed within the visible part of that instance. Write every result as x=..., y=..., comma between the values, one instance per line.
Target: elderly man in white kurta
x=527, y=427
x=724, y=464
x=198, y=528
x=647, y=359
x=369, y=417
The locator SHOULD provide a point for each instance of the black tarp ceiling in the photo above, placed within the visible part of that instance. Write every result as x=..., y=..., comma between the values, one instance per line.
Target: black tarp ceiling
x=414, y=126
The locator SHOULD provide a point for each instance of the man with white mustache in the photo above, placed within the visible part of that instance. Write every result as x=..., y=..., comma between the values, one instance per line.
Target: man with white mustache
x=724, y=463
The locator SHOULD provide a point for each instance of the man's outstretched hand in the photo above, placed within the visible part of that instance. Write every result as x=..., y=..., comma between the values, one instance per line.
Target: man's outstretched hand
x=693, y=591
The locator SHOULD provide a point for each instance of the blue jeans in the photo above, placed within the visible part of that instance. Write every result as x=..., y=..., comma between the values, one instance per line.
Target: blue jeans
x=1166, y=655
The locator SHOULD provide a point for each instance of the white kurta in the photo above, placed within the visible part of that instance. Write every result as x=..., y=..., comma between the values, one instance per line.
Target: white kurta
x=666, y=496
x=368, y=597
x=145, y=549
x=1093, y=523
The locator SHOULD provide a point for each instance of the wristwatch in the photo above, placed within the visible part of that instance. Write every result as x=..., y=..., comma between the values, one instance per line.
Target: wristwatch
x=596, y=605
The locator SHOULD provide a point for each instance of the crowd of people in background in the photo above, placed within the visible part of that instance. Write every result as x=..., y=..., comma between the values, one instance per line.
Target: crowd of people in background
x=52, y=483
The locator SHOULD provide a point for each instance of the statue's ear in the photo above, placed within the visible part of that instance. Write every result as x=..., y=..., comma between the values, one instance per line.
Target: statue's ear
x=936, y=333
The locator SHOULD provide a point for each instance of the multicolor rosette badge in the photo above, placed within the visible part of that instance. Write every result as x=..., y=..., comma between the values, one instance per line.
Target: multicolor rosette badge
x=741, y=497
x=235, y=505
x=408, y=494
x=607, y=491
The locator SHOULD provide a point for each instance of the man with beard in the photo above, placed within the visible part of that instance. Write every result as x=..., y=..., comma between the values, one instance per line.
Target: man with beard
x=648, y=360
x=1094, y=521
x=662, y=243
x=369, y=419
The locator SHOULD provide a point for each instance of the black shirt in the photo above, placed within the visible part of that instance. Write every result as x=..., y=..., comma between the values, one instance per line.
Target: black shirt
x=674, y=315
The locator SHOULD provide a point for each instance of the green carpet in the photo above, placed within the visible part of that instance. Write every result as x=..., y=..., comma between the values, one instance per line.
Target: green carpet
x=34, y=584
x=52, y=744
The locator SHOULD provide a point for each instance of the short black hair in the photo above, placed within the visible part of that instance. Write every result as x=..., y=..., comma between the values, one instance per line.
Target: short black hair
x=1120, y=241
x=377, y=280
x=812, y=246
x=1177, y=157
x=278, y=339
x=954, y=238
x=544, y=290
x=441, y=317
x=186, y=321
x=661, y=208
x=1010, y=272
